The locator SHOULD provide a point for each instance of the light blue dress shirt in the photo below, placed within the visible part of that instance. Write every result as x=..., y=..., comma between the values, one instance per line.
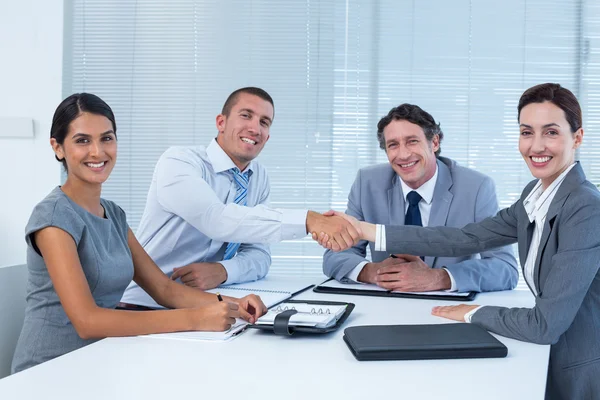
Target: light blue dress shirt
x=190, y=215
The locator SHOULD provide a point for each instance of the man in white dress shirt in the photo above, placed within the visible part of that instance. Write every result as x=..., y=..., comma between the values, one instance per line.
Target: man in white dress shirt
x=207, y=220
x=419, y=187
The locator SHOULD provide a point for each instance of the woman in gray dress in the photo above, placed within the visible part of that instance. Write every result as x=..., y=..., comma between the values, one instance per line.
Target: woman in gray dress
x=556, y=223
x=81, y=254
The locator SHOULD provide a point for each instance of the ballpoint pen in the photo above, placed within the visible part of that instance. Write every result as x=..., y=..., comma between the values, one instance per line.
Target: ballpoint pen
x=219, y=296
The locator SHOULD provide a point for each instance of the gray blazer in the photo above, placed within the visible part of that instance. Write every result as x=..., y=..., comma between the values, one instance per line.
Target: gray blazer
x=461, y=196
x=566, y=276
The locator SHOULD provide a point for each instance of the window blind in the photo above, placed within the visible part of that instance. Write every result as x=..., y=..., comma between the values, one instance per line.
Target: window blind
x=334, y=68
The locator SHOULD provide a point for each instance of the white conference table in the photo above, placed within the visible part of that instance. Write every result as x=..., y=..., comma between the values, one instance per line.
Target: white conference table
x=260, y=365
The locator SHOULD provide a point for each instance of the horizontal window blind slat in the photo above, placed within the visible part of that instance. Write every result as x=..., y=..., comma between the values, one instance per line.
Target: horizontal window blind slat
x=334, y=69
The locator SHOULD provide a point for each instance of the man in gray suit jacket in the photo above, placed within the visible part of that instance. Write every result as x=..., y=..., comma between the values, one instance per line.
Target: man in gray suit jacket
x=418, y=187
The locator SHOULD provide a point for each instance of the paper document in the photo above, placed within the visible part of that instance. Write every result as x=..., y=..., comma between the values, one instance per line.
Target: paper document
x=239, y=326
x=272, y=290
x=269, y=298
x=368, y=286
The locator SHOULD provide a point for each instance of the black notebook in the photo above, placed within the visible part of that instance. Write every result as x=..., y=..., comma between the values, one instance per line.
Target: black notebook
x=422, y=342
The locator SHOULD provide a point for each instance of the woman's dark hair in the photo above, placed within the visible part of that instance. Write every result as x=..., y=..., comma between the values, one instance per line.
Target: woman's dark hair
x=71, y=108
x=561, y=97
x=415, y=115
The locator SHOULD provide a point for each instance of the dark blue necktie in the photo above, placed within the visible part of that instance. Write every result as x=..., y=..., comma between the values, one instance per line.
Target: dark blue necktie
x=413, y=215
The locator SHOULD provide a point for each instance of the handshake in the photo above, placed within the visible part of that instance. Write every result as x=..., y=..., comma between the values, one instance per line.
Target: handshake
x=337, y=231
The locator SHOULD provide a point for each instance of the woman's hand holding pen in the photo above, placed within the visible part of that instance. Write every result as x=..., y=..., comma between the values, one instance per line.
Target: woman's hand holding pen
x=221, y=315
x=218, y=316
x=251, y=307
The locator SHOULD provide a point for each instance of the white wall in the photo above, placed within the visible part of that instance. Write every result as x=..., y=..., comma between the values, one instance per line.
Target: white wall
x=31, y=56
x=13, y=283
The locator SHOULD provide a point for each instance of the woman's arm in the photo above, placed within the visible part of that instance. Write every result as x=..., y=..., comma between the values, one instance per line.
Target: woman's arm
x=571, y=272
x=171, y=294
x=90, y=321
x=439, y=241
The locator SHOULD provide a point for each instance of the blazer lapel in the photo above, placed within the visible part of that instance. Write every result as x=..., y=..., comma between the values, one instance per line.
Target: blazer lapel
x=525, y=232
x=396, y=202
x=573, y=179
x=545, y=235
x=440, y=204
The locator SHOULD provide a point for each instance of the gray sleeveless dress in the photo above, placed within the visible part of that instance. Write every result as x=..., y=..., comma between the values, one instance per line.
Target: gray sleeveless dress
x=107, y=264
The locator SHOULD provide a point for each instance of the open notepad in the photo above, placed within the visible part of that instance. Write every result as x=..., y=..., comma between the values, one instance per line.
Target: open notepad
x=318, y=316
x=271, y=290
x=269, y=293
x=333, y=286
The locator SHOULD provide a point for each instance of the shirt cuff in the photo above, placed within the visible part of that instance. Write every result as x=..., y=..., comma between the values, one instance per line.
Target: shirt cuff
x=380, y=244
x=293, y=224
x=452, y=282
x=469, y=315
x=353, y=275
x=232, y=266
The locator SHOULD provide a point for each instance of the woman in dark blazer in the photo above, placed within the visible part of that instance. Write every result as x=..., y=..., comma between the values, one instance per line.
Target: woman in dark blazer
x=556, y=224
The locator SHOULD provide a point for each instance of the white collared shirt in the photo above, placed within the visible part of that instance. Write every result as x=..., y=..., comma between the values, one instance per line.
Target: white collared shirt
x=190, y=213
x=426, y=192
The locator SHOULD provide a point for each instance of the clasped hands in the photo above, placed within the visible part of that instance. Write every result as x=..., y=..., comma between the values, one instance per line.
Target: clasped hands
x=334, y=230
x=405, y=273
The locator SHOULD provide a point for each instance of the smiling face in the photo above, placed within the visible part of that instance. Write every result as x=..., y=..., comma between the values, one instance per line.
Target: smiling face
x=409, y=152
x=89, y=149
x=546, y=141
x=244, y=132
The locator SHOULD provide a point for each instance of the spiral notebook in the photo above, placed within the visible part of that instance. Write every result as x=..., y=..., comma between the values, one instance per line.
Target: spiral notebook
x=272, y=291
x=318, y=316
x=237, y=328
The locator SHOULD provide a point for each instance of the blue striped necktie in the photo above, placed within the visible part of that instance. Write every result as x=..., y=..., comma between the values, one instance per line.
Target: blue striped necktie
x=241, y=179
